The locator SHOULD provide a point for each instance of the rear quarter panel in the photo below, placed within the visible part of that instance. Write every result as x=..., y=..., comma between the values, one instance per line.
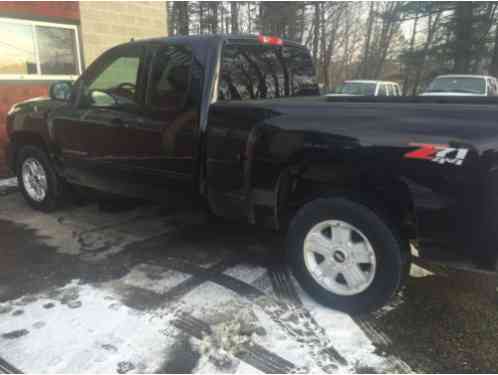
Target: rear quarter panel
x=364, y=148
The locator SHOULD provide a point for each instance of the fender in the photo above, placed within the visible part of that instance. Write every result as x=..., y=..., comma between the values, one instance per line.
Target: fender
x=27, y=124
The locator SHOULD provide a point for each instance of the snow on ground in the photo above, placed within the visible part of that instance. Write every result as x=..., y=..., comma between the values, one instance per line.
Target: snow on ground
x=89, y=333
x=131, y=321
x=87, y=328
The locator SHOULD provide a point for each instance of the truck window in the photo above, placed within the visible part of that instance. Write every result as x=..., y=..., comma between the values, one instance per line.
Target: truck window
x=114, y=80
x=264, y=72
x=170, y=78
x=466, y=85
x=359, y=88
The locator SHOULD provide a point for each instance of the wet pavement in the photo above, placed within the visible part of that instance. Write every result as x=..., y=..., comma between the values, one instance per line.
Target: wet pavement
x=132, y=288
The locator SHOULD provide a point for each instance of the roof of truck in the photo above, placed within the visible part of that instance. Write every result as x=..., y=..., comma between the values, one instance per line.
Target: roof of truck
x=213, y=37
x=368, y=81
x=463, y=76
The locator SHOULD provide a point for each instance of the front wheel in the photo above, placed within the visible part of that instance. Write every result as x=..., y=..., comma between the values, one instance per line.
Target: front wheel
x=344, y=255
x=37, y=179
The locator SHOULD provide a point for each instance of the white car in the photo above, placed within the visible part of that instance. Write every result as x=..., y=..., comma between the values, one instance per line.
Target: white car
x=462, y=85
x=368, y=88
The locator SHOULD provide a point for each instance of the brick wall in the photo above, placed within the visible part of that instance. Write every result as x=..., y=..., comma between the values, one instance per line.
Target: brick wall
x=12, y=92
x=66, y=10
x=105, y=24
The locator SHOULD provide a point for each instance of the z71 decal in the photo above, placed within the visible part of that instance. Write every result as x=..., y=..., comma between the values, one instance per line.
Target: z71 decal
x=441, y=154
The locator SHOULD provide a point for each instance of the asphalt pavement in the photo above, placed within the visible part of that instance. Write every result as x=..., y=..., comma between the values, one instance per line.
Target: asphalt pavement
x=128, y=287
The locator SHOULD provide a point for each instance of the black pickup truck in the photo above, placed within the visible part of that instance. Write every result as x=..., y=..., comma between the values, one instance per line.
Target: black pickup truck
x=238, y=121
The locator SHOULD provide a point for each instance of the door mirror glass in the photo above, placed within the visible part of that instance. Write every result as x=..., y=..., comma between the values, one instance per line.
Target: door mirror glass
x=60, y=90
x=99, y=98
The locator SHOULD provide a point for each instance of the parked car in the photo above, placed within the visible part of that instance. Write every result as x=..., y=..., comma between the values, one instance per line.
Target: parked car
x=368, y=88
x=462, y=85
x=238, y=121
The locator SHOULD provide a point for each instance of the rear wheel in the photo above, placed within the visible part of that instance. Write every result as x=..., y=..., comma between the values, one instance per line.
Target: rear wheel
x=37, y=179
x=345, y=255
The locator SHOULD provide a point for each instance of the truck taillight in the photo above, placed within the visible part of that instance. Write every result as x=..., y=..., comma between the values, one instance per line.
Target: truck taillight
x=270, y=40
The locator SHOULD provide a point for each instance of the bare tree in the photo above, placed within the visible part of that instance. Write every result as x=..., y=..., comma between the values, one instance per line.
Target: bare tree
x=362, y=71
x=406, y=80
x=464, y=14
x=494, y=60
x=432, y=26
x=234, y=17
x=361, y=40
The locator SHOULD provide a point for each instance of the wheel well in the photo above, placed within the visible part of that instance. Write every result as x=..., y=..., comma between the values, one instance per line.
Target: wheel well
x=21, y=139
x=390, y=199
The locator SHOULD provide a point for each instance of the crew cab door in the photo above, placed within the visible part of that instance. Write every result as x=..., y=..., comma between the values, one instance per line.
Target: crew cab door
x=171, y=116
x=95, y=135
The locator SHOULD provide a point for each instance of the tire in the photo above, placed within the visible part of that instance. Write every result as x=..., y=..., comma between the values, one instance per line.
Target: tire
x=383, y=264
x=53, y=187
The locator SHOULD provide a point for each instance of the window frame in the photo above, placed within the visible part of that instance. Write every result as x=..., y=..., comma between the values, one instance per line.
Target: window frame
x=39, y=76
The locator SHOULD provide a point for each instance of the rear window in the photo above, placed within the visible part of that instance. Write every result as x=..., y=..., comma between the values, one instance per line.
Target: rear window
x=359, y=88
x=266, y=72
x=458, y=84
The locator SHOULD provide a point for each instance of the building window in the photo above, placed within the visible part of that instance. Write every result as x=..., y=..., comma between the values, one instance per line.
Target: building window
x=38, y=50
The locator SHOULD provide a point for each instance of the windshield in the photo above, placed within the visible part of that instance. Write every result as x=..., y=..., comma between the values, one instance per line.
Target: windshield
x=359, y=88
x=458, y=84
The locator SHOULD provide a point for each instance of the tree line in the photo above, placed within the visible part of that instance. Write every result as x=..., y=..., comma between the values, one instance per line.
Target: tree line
x=405, y=41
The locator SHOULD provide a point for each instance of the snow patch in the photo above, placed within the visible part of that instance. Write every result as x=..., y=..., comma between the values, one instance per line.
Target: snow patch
x=154, y=278
x=89, y=338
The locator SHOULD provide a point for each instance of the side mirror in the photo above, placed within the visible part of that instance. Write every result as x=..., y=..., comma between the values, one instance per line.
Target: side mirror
x=60, y=90
x=99, y=98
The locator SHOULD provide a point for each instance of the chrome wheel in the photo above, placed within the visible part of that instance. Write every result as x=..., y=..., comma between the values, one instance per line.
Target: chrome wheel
x=34, y=179
x=339, y=257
